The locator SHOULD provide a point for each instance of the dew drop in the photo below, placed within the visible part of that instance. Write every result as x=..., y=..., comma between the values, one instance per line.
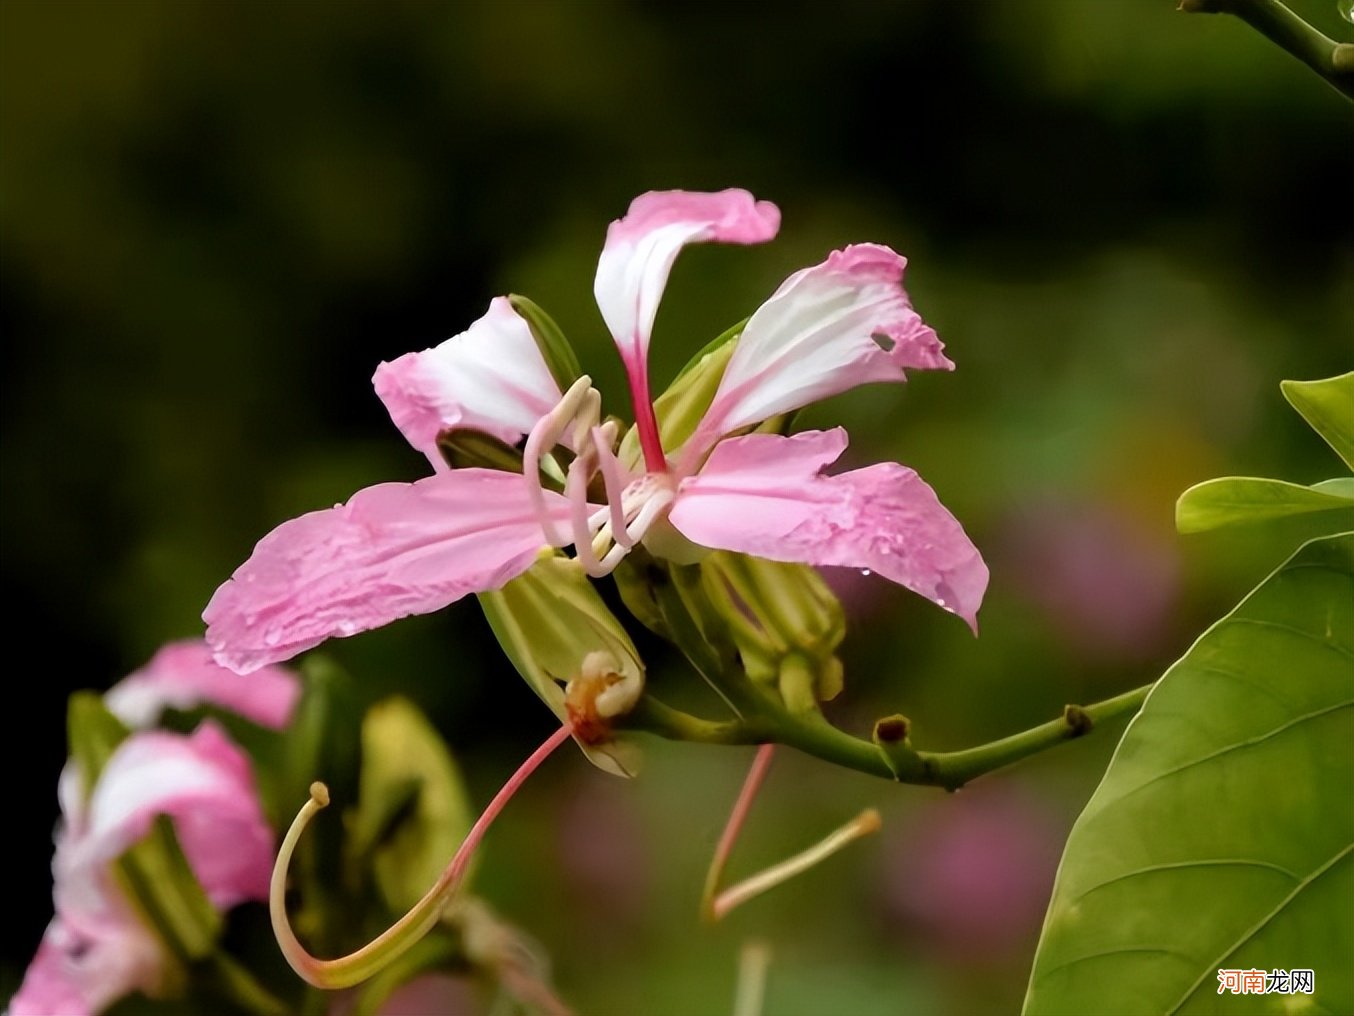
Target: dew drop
x=866, y=572
x=347, y=628
x=272, y=637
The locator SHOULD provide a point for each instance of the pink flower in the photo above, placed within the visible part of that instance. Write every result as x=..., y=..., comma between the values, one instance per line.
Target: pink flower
x=398, y=549
x=183, y=675
x=97, y=948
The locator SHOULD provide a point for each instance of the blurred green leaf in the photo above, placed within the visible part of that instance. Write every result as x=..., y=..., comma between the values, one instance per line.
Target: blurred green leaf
x=1328, y=405
x=1221, y=837
x=1236, y=501
x=93, y=733
x=154, y=871
x=413, y=811
x=161, y=881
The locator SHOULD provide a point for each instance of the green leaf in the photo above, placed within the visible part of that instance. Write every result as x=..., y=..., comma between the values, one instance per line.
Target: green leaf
x=463, y=447
x=1328, y=406
x=1235, y=501
x=1222, y=836
x=559, y=356
x=413, y=811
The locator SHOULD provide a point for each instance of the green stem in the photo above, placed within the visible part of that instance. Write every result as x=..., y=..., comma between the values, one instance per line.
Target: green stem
x=1333, y=61
x=242, y=988
x=953, y=769
x=893, y=760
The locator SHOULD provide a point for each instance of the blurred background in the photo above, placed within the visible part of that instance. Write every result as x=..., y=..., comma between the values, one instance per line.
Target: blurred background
x=1127, y=224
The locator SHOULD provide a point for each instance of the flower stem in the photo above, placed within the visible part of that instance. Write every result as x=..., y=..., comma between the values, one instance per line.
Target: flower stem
x=716, y=904
x=898, y=761
x=358, y=966
x=751, y=784
x=864, y=824
x=952, y=769
x=1333, y=61
x=753, y=961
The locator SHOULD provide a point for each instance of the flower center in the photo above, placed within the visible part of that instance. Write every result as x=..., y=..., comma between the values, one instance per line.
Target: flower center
x=601, y=535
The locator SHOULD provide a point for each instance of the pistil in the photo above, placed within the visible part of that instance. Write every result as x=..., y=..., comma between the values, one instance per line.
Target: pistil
x=390, y=944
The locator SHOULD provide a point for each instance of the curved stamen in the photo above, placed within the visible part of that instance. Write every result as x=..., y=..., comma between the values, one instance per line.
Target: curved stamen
x=615, y=487
x=650, y=513
x=544, y=436
x=576, y=490
x=382, y=950
x=586, y=417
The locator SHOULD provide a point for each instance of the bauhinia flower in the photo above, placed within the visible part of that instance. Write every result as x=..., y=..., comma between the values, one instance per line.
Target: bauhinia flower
x=98, y=947
x=406, y=548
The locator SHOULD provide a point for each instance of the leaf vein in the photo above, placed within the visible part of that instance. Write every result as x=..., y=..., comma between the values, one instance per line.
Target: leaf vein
x=1300, y=632
x=1258, y=926
x=1239, y=745
x=1203, y=862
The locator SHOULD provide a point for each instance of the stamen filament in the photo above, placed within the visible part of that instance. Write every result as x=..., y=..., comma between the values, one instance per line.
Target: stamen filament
x=382, y=950
x=615, y=488
x=576, y=490
x=648, y=514
x=544, y=436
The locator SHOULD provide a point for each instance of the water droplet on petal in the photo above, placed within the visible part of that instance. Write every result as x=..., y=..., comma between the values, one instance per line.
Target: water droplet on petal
x=272, y=637
x=347, y=628
x=866, y=572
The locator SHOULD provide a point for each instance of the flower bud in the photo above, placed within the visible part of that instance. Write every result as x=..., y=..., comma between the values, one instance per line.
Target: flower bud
x=557, y=631
x=782, y=618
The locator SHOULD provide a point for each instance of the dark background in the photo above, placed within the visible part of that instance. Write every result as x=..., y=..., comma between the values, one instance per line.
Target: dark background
x=1128, y=224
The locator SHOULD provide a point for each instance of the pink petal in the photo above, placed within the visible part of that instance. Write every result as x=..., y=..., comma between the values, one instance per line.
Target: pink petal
x=815, y=337
x=97, y=949
x=75, y=973
x=491, y=377
x=641, y=248
x=183, y=675
x=393, y=550
x=204, y=783
x=763, y=495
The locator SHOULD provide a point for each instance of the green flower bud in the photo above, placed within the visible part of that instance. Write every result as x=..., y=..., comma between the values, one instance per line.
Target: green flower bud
x=784, y=621
x=573, y=652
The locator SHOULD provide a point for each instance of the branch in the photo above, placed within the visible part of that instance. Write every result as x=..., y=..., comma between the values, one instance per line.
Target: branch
x=891, y=754
x=952, y=769
x=1333, y=61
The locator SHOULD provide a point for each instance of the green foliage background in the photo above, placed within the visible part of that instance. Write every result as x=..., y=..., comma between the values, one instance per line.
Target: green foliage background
x=215, y=219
